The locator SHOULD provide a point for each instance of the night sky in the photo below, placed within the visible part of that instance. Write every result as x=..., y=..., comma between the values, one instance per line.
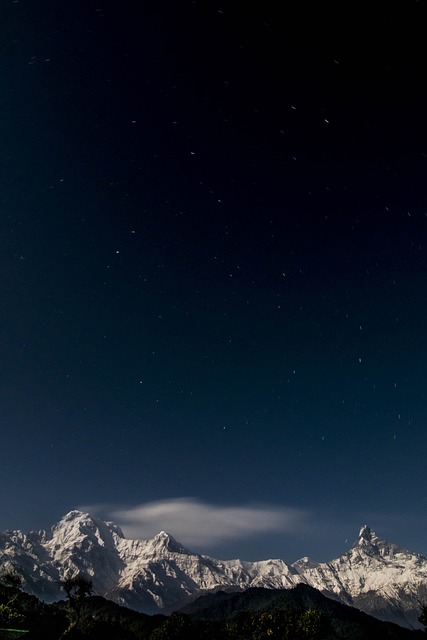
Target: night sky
x=213, y=306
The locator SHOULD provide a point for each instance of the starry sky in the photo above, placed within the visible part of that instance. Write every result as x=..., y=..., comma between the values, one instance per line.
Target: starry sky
x=213, y=227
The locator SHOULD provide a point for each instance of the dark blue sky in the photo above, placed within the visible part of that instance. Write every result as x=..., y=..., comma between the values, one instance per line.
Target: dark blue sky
x=213, y=235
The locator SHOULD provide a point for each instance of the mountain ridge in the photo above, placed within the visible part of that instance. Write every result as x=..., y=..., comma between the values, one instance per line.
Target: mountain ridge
x=159, y=574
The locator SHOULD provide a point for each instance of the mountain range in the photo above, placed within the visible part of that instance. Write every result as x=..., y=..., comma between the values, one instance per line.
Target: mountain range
x=160, y=575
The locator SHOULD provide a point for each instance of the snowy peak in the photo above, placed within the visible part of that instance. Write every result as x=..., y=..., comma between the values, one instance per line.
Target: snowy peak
x=305, y=563
x=372, y=545
x=79, y=521
x=367, y=537
x=366, y=533
x=77, y=524
x=164, y=542
x=75, y=521
x=159, y=574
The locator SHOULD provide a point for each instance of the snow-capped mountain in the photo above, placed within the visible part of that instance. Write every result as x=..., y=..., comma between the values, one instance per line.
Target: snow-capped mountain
x=159, y=574
x=377, y=577
x=147, y=575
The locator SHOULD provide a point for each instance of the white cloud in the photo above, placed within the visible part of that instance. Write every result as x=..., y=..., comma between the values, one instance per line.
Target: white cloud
x=194, y=522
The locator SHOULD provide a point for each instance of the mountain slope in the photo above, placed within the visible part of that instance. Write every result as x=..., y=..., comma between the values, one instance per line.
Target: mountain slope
x=346, y=622
x=147, y=575
x=159, y=574
x=377, y=577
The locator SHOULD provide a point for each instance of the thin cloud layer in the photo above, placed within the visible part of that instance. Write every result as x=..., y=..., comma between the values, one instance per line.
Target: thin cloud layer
x=194, y=522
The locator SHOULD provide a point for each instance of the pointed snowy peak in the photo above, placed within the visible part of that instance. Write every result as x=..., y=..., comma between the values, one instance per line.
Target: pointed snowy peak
x=75, y=514
x=74, y=517
x=163, y=541
x=115, y=529
x=366, y=536
x=87, y=522
x=305, y=563
x=370, y=543
x=78, y=520
x=77, y=527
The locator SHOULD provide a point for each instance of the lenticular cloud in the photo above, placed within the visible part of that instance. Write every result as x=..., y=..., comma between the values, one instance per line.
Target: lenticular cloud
x=193, y=521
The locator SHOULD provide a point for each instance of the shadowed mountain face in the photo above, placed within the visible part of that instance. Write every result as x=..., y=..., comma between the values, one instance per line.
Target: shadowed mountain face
x=344, y=621
x=159, y=574
x=300, y=612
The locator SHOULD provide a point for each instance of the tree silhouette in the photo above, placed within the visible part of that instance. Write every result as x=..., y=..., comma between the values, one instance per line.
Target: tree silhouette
x=77, y=590
x=176, y=627
x=10, y=609
x=11, y=579
x=423, y=616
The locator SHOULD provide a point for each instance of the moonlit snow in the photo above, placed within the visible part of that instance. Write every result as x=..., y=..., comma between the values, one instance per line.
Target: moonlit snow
x=159, y=574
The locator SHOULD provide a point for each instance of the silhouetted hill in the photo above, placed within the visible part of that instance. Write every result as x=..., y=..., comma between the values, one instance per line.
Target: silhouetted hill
x=346, y=622
x=301, y=614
